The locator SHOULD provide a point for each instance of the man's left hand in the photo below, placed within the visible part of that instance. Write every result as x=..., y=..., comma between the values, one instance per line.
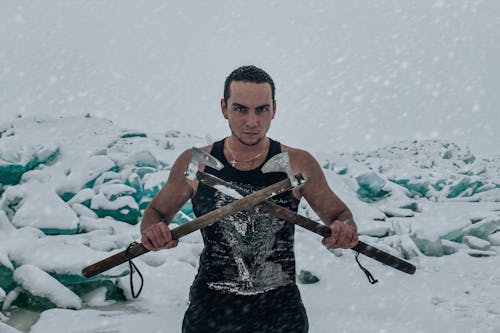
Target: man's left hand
x=344, y=235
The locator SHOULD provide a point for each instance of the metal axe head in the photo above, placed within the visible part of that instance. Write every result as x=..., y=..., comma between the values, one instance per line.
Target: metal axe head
x=199, y=156
x=280, y=163
x=202, y=157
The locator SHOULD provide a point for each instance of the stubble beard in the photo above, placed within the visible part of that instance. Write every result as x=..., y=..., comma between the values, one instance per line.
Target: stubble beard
x=249, y=144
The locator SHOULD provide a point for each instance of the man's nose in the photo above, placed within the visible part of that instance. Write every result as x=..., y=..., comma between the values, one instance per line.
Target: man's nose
x=252, y=119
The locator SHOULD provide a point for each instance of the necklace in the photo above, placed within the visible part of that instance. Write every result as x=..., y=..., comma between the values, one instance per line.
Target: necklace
x=235, y=160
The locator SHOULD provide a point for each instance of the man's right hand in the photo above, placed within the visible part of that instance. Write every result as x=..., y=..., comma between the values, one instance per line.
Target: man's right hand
x=157, y=237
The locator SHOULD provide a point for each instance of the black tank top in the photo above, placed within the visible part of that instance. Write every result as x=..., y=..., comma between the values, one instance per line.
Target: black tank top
x=249, y=252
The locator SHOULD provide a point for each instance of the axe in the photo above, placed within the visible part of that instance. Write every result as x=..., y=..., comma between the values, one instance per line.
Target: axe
x=200, y=157
x=198, y=223
x=282, y=164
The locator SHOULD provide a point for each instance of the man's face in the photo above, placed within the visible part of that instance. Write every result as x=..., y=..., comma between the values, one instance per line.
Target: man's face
x=249, y=111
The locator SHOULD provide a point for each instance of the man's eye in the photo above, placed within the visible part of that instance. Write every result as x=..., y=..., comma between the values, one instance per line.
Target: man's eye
x=263, y=109
x=239, y=108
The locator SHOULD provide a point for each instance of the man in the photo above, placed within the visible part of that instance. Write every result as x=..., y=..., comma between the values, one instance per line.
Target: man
x=246, y=276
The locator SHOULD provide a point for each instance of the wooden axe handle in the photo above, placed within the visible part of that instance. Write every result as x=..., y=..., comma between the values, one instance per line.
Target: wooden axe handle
x=199, y=223
x=317, y=228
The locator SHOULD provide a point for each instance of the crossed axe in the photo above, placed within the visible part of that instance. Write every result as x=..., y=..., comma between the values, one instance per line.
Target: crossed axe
x=245, y=201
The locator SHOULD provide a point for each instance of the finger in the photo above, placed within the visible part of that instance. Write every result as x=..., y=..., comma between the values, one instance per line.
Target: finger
x=339, y=231
x=335, y=228
x=350, y=235
x=347, y=239
x=355, y=240
x=157, y=238
x=147, y=243
x=172, y=244
x=329, y=242
x=353, y=236
x=340, y=243
x=343, y=235
x=166, y=233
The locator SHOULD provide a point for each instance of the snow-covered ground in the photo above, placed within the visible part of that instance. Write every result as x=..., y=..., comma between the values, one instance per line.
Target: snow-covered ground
x=74, y=188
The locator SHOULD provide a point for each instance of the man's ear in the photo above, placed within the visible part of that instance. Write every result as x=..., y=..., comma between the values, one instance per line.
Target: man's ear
x=274, y=109
x=223, y=108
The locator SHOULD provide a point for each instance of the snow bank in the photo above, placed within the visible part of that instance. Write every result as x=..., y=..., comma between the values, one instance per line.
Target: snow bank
x=59, y=255
x=6, y=228
x=62, y=209
x=42, y=208
x=41, y=284
x=413, y=200
x=17, y=158
x=4, y=328
x=427, y=185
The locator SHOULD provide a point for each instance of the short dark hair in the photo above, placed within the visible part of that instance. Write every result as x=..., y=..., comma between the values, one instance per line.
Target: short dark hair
x=247, y=74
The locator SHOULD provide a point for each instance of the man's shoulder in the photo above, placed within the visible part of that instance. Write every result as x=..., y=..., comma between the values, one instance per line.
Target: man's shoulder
x=300, y=159
x=295, y=152
x=184, y=158
x=187, y=152
x=206, y=148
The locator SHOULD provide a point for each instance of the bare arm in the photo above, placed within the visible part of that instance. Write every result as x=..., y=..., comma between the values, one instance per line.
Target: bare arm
x=325, y=203
x=174, y=194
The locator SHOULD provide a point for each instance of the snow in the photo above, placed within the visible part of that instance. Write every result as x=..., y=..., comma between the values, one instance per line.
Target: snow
x=154, y=181
x=4, y=328
x=494, y=238
x=476, y=243
x=11, y=297
x=83, y=195
x=228, y=191
x=390, y=100
x=56, y=255
x=41, y=207
x=4, y=261
x=111, y=191
x=453, y=241
x=101, y=202
x=39, y=283
x=86, y=171
x=82, y=210
x=5, y=226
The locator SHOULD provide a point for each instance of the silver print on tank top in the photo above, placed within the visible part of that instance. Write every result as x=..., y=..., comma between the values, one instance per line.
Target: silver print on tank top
x=251, y=238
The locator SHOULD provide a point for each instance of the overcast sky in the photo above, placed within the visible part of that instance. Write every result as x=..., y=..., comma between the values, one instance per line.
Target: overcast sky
x=349, y=74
